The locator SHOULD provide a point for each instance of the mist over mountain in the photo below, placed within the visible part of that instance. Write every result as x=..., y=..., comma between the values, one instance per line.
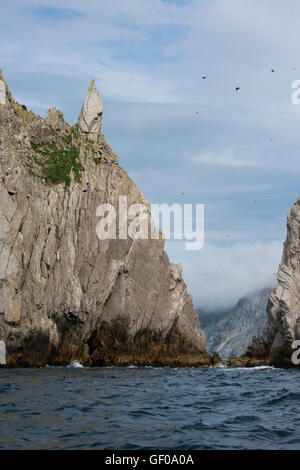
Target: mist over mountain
x=230, y=331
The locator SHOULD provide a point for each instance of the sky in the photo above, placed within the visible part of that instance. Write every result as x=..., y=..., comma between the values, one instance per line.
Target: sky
x=182, y=138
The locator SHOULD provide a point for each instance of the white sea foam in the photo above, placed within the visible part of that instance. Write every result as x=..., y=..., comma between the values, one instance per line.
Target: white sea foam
x=219, y=366
x=76, y=365
x=251, y=368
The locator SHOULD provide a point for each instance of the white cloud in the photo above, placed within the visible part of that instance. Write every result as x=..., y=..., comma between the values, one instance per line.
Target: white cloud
x=224, y=157
x=218, y=276
x=273, y=20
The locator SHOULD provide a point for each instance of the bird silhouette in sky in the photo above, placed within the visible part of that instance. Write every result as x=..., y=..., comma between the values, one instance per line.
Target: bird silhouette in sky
x=237, y=88
x=204, y=78
x=272, y=70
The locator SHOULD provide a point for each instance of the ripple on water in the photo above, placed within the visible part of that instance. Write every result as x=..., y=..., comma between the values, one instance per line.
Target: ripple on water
x=144, y=408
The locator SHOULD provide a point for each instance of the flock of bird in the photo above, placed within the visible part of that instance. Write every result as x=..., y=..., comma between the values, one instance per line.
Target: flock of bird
x=271, y=140
x=238, y=88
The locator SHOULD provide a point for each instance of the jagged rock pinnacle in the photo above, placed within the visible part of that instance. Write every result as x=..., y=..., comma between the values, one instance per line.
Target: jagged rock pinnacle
x=90, y=117
x=2, y=89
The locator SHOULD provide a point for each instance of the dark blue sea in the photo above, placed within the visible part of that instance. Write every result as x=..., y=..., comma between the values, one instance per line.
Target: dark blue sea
x=149, y=408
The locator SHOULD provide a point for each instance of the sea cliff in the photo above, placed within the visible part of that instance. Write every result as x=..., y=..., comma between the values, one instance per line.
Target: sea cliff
x=65, y=294
x=275, y=346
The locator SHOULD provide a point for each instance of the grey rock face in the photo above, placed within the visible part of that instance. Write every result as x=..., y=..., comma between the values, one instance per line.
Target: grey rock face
x=284, y=302
x=90, y=118
x=229, y=332
x=2, y=353
x=2, y=92
x=55, y=119
x=283, y=308
x=64, y=294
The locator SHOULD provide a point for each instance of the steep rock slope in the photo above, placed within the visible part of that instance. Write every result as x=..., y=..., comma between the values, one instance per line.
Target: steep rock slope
x=230, y=332
x=283, y=326
x=64, y=293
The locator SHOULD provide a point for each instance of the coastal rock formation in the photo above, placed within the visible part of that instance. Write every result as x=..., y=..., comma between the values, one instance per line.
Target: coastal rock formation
x=275, y=346
x=229, y=332
x=90, y=118
x=65, y=294
x=2, y=353
x=2, y=92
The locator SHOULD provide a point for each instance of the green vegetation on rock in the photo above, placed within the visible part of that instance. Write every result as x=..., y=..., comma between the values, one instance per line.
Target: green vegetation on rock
x=54, y=163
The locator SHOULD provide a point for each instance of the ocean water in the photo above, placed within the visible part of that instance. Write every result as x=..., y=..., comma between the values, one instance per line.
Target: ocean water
x=149, y=408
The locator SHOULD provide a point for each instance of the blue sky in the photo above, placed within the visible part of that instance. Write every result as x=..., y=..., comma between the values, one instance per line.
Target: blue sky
x=52, y=13
x=174, y=132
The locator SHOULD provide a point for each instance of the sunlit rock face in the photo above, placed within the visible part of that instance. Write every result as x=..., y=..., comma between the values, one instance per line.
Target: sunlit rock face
x=2, y=92
x=90, y=118
x=65, y=294
x=2, y=353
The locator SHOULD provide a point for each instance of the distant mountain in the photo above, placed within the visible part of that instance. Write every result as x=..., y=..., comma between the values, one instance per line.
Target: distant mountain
x=230, y=331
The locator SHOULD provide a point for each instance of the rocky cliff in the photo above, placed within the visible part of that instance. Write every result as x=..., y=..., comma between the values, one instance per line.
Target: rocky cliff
x=65, y=294
x=283, y=326
x=229, y=332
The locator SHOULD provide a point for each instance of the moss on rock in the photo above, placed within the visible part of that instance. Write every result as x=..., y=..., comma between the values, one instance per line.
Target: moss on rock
x=54, y=163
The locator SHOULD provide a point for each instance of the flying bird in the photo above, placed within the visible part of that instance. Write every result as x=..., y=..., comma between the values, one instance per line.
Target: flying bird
x=204, y=78
x=272, y=70
x=237, y=88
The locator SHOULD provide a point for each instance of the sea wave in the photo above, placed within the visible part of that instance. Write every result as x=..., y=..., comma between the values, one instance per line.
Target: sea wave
x=149, y=408
x=76, y=365
x=249, y=368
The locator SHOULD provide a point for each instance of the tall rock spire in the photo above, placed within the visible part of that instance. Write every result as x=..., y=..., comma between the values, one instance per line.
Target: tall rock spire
x=2, y=89
x=90, y=117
